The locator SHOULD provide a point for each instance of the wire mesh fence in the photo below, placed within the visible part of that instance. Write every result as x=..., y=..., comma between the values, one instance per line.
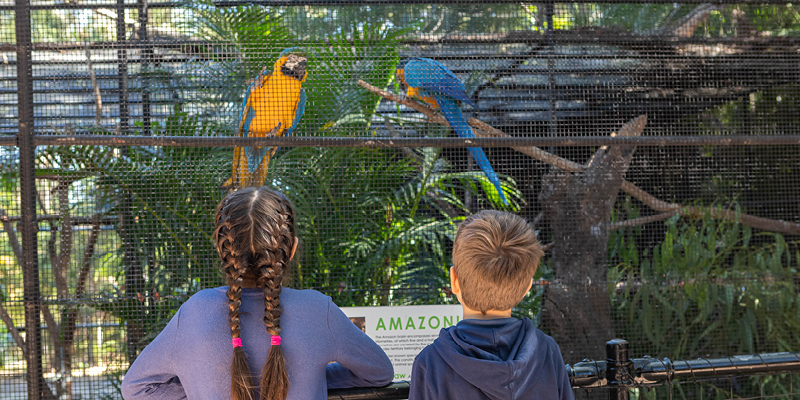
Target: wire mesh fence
x=121, y=122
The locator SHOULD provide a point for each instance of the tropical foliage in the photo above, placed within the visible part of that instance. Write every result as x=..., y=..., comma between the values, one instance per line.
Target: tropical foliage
x=709, y=288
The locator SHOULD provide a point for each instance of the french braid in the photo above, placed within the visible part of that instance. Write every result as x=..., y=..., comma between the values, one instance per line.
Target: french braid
x=274, y=379
x=255, y=237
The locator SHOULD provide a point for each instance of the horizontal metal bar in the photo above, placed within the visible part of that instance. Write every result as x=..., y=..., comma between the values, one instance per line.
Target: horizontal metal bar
x=663, y=370
x=339, y=3
x=566, y=141
x=395, y=391
x=647, y=371
x=562, y=37
x=84, y=326
x=93, y=6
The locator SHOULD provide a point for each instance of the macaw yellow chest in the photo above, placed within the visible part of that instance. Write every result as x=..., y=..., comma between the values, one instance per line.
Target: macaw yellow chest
x=275, y=102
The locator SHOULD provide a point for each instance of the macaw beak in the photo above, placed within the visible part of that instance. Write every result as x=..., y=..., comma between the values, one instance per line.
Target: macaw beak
x=295, y=66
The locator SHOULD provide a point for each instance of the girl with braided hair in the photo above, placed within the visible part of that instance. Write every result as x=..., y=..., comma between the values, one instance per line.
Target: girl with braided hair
x=218, y=346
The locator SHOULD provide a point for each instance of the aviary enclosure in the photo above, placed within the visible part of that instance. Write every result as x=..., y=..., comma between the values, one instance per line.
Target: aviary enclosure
x=655, y=147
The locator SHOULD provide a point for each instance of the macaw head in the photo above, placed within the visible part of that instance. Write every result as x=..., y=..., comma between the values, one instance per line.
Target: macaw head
x=292, y=62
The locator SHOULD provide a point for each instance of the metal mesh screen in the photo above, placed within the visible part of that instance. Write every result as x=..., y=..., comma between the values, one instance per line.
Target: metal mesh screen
x=686, y=245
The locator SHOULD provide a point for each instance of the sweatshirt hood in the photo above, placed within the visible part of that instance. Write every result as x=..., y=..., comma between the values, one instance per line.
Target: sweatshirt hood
x=501, y=357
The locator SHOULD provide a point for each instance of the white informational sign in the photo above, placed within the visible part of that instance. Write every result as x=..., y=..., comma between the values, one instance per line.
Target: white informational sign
x=404, y=330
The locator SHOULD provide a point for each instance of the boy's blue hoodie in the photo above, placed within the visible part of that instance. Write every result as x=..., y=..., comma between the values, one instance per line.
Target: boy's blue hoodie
x=491, y=359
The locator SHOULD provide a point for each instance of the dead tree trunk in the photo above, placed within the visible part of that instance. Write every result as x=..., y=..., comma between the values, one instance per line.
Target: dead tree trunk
x=578, y=206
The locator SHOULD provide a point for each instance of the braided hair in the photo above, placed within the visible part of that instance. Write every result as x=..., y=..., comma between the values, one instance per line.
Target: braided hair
x=255, y=237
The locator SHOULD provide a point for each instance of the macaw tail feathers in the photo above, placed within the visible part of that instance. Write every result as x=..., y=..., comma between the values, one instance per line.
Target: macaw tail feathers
x=255, y=156
x=244, y=174
x=452, y=112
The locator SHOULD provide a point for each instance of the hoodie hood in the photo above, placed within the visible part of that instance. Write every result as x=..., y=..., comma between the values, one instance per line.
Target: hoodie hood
x=501, y=357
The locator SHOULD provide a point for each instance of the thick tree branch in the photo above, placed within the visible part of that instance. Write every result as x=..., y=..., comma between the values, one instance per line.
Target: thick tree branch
x=6, y=317
x=641, y=221
x=13, y=240
x=98, y=99
x=88, y=253
x=486, y=130
x=507, y=71
x=8, y=227
x=52, y=325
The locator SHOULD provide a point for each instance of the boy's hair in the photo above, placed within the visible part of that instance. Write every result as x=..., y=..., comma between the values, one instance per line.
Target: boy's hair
x=495, y=256
x=255, y=231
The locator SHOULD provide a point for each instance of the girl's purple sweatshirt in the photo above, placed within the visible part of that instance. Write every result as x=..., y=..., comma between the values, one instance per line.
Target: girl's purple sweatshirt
x=191, y=357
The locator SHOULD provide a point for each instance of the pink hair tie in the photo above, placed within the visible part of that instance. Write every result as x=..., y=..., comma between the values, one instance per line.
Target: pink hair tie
x=275, y=340
x=237, y=342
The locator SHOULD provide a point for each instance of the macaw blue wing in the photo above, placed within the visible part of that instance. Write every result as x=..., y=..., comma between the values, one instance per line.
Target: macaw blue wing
x=254, y=155
x=452, y=113
x=247, y=114
x=432, y=76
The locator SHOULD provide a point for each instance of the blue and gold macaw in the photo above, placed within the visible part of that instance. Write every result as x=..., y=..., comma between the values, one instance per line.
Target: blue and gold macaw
x=273, y=100
x=433, y=83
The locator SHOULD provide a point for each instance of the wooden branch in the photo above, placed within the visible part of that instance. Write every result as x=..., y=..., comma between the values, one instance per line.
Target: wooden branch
x=88, y=253
x=641, y=221
x=507, y=71
x=8, y=227
x=98, y=99
x=6, y=317
x=685, y=27
x=52, y=326
x=486, y=130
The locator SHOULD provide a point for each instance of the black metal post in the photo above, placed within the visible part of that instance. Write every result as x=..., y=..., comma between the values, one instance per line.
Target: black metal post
x=122, y=68
x=618, y=369
x=551, y=78
x=133, y=275
x=27, y=182
x=145, y=54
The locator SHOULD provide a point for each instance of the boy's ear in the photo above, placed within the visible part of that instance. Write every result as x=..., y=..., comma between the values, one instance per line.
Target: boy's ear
x=454, y=281
x=530, y=285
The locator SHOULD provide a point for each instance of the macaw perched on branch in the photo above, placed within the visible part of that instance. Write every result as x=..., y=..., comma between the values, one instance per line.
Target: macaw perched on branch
x=433, y=83
x=273, y=102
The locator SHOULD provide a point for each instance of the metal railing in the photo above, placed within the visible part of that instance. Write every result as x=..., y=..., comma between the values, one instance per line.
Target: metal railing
x=619, y=373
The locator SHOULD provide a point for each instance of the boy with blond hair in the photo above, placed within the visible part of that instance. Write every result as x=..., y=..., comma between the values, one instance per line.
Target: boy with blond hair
x=489, y=354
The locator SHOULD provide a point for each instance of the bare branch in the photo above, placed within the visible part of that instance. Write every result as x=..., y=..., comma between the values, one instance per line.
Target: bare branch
x=98, y=99
x=88, y=253
x=13, y=330
x=8, y=227
x=642, y=220
x=507, y=71
x=52, y=325
x=687, y=25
